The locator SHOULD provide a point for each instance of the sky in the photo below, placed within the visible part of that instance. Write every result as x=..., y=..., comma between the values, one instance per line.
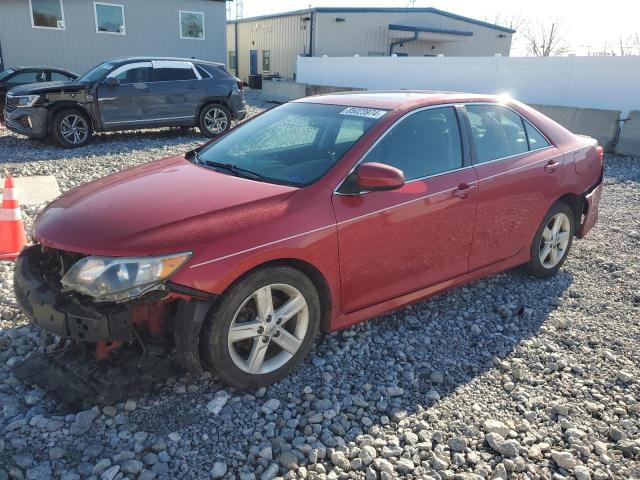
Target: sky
x=586, y=25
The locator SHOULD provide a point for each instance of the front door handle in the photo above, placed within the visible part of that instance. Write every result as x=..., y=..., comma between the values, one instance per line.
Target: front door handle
x=551, y=166
x=463, y=190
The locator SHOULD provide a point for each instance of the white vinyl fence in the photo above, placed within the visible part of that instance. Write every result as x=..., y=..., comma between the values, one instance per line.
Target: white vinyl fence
x=610, y=83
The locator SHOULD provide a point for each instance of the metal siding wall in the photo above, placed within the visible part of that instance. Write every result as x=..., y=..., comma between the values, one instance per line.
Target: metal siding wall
x=283, y=36
x=362, y=33
x=153, y=31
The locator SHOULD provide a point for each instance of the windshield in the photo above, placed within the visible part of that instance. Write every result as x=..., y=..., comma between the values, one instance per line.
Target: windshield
x=96, y=73
x=294, y=144
x=5, y=74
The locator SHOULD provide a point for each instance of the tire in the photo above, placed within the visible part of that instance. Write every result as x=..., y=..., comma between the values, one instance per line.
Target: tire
x=71, y=128
x=241, y=342
x=214, y=119
x=543, y=262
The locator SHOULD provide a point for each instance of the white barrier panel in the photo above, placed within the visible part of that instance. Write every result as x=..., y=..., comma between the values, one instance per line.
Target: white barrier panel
x=609, y=83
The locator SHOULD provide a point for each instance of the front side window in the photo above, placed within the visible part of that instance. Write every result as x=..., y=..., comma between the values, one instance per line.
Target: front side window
x=498, y=132
x=191, y=25
x=266, y=60
x=109, y=18
x=141, y=74
x=294, y=144
x=425, y=143
x=59, y=77
x=47, y=14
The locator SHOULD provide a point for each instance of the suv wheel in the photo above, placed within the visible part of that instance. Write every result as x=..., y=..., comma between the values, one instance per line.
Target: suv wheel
x=261, y=328
x=71, y=128
x=214, y=119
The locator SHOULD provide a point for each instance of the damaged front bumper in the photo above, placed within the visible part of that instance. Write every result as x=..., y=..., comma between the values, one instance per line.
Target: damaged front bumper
x=177, y=309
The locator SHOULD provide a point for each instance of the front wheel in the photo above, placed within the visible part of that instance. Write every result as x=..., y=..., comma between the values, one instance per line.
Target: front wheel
x=71, y=128
x=214, y=119
x=261, y=328
x=552, y=241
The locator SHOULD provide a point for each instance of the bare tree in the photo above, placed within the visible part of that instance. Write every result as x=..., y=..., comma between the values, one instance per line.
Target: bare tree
x=623, y=47
x=546, y=39
x=515, y=21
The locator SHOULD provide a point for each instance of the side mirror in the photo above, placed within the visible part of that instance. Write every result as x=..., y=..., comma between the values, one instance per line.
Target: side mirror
x=378, y=176
x=111, y=82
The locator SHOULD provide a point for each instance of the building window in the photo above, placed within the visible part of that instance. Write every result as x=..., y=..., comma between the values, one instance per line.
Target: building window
x=109, y=18
x=191, y=25
x=266, y=60
x=232, y=61
x=47, y=14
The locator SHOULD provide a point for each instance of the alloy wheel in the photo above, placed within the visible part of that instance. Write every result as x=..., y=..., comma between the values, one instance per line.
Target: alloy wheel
x=268, y=329
x=555, y=240
x=74, y=129
x=216, y=121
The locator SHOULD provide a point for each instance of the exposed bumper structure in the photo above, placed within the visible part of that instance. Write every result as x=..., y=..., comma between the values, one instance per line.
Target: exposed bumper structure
x=31, y=122
x=181, y=311
x=67, y=318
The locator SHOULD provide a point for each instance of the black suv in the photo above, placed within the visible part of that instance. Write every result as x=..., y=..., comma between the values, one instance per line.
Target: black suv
x=14, y=77
x=128, y=93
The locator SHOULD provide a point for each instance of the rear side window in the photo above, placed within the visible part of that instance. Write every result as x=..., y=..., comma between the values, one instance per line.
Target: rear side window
x=536, y=139
x=22, y=78
x=423, y=144
x=498, y=132
x=171, y=74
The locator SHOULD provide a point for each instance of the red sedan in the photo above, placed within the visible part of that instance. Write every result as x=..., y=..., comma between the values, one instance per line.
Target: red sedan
x=313, y=216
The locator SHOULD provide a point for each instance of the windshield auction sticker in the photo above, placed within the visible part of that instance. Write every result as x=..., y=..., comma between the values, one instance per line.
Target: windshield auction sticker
x=363, y=112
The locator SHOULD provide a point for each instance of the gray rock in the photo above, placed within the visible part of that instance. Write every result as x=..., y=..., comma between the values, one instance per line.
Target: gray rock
x=564, y=459
x=219, y=470
x=83, y=422
x=271, y=472
x=340, y=460
x=131, y=467
x=110, y=473
x=271, y=405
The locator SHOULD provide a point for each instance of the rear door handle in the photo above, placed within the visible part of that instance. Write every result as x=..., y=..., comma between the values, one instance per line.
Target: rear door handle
x=551, y=166
x=194, y=87
x=463, y=190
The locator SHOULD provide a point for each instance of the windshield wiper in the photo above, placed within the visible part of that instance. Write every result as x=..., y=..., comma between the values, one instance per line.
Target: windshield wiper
x=240, y=172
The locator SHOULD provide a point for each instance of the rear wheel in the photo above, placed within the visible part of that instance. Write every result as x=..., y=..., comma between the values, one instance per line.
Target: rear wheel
x=261, y=328
x=214, y=119
x=71, y=128
x=552, y=241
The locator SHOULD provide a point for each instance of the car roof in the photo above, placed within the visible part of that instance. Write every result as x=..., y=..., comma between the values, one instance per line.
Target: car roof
x=398, y=98
x=35, y=67
x=123, y=60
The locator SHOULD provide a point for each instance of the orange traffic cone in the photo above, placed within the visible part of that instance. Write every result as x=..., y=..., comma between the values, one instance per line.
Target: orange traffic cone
x=12, y=234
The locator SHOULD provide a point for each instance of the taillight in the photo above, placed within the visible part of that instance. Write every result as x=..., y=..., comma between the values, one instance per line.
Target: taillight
x=600, y=151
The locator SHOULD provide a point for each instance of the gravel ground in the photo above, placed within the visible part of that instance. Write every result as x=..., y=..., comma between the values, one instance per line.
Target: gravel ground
x=509, y=377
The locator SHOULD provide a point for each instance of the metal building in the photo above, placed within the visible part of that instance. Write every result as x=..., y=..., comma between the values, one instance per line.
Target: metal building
x=270, y=44
x=77, y=34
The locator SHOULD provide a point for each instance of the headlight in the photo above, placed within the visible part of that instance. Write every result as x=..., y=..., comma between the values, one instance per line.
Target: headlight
x=120, y=279
x=26, y=100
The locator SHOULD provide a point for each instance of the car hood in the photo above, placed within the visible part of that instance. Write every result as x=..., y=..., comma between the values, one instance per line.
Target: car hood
x=161, y=207
x=47, y=87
